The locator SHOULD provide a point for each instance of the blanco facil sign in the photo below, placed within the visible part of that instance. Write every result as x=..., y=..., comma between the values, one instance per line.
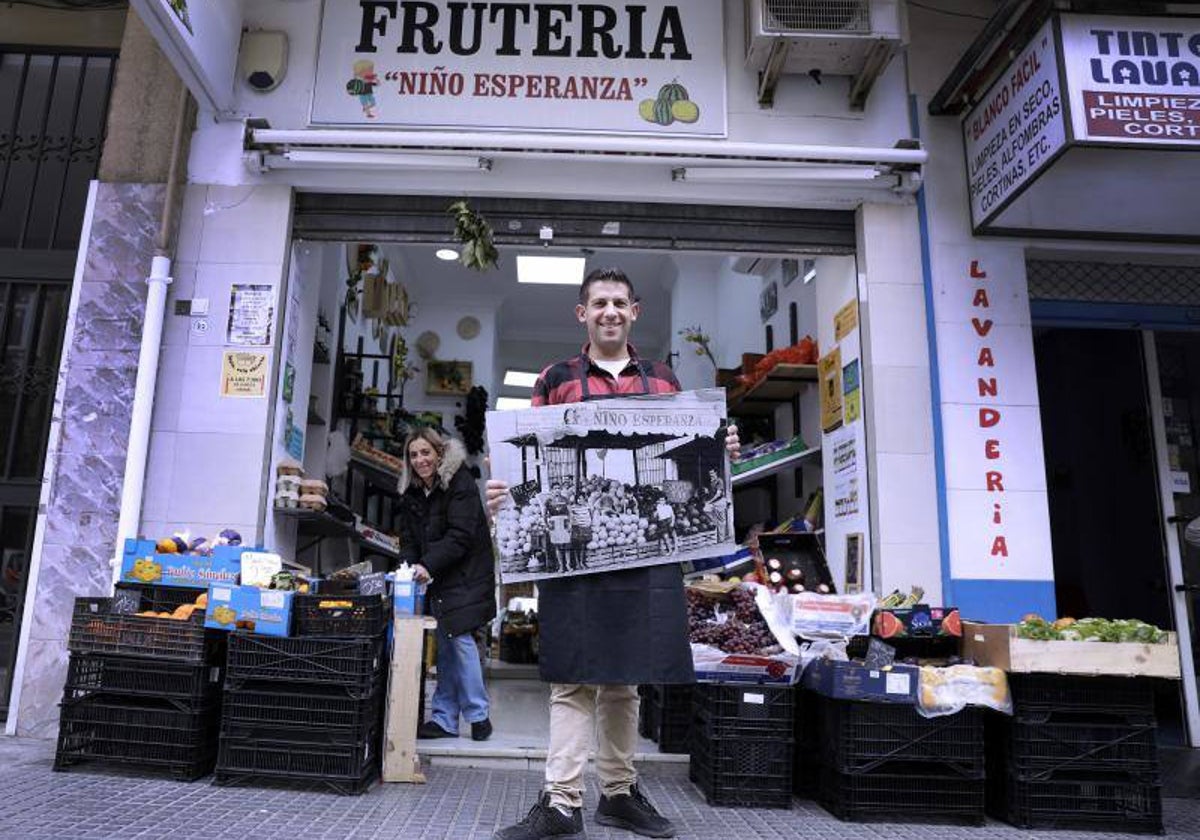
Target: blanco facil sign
x=650, y=68
x=1133, y=80
x=200, y=38
x=1016, y=129
x=998, y=513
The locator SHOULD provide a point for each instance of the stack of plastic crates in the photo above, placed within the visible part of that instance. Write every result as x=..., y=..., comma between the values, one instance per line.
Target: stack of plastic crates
x=741, y=744
x=141, y=691
x=885, y=762
x=670, y=714
x=308, y=708
x=1079, y=753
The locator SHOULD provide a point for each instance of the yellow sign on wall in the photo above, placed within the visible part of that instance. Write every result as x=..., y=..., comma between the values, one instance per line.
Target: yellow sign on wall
x=829, y=369
x=243, y=374
x=845, y=320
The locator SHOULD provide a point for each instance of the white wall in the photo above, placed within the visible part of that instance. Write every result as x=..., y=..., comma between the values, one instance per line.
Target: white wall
x=207, y=462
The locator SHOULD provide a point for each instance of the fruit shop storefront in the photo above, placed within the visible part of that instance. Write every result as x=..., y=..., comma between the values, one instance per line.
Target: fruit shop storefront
x=751, y=218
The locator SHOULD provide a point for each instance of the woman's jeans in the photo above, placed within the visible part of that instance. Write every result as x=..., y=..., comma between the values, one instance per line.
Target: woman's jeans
x=460, y=688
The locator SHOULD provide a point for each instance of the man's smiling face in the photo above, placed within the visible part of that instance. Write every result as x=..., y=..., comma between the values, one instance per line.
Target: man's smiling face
x=609, y=315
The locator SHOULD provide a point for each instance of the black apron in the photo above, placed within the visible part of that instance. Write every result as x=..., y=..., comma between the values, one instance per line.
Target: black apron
x=615, y=628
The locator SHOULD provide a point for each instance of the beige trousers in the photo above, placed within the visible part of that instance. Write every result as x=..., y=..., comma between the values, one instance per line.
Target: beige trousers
x=610, y=712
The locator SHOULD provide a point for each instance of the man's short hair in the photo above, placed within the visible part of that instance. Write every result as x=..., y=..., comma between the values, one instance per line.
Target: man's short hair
x=605, y=275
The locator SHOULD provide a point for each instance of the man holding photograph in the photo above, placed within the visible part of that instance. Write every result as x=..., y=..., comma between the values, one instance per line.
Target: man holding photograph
x=603, y=634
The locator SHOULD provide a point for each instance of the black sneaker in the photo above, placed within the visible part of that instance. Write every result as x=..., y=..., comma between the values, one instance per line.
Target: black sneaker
x=544, y=820
x=429, y=729
x=481, y=731
x=633, y=812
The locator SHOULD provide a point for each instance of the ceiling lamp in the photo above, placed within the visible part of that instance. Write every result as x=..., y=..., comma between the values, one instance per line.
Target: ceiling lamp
x=560, y=271
x=446, y=254
x=520, y=378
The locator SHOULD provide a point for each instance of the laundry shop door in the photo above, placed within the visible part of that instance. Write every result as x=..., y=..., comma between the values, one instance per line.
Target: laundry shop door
x=53, y=106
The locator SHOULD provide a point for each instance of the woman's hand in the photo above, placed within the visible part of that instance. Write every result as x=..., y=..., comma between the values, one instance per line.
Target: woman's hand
x=420, y=574
x=496, y=492
x=733, y=444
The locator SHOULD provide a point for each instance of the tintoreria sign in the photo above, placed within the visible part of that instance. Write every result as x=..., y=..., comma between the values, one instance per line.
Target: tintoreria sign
x=1083, y=81
x=654, y=67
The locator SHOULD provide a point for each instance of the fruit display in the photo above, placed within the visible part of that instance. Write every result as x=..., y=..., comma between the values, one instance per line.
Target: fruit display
x=803, y=352
x=183, y=612
x=671, y=105
x=1067, y=629
x=731, y=624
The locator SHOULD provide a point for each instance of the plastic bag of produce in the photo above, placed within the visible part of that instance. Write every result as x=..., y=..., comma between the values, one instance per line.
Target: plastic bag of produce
x=945, y=691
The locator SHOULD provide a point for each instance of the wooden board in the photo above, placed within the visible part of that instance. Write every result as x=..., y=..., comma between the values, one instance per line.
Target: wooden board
x=997, y=645
x=780, y=385
x=400, y=760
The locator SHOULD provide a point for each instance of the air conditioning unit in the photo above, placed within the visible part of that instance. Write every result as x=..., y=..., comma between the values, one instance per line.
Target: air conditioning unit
x=832, y=37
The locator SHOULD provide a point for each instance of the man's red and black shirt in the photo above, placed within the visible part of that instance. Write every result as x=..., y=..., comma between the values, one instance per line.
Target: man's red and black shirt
x=579, y=378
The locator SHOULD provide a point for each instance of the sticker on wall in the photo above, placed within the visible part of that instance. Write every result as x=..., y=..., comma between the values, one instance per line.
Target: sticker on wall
x=243, y=374
x=251, y=314
x=845, y=320
x=829, y=369
x=852, y=391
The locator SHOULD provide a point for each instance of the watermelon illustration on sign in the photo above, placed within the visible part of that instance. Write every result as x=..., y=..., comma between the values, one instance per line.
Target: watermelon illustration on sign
x=671, y=105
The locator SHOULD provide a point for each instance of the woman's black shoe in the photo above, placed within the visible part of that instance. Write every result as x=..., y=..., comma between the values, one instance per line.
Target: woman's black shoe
x=429, y=729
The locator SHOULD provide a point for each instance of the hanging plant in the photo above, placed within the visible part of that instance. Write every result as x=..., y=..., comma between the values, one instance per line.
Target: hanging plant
x=474, y=234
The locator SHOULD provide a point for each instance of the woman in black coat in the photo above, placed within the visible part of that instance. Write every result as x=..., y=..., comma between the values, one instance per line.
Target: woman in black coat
x=444, y=536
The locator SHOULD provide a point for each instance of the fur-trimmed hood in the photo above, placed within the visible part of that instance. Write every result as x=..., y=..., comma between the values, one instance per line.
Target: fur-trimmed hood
x=453, y=458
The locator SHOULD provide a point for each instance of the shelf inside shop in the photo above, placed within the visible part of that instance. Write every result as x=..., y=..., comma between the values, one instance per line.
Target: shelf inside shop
x=315, y=419
x=783, y=383
x=369, y=545
x=377, y=474
x=318, y=523
x=775, y=466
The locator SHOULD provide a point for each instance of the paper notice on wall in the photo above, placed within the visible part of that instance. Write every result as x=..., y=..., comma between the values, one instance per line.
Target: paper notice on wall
x=251, y=314
x=845, y=496
x=1181, y=481
x=851, y=392
x=829, y=369
x=243, y=374
x=845, y=320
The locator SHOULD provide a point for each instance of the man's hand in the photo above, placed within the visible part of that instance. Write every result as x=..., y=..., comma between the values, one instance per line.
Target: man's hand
x=420, y=574
x=733, y=444
x=497, y=492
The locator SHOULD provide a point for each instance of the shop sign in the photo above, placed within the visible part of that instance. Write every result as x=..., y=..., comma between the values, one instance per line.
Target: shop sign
x=243, y=374
x=652, y=68
x=200, y=38
x=1016, y=129
x=1133, y=80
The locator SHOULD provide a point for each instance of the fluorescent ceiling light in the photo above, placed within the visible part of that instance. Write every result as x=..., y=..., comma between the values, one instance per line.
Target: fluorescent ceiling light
x=743, y=174
x=446, y=254
x=520, y=378
x=366, y=159
x=564, y=271
x=510, y=403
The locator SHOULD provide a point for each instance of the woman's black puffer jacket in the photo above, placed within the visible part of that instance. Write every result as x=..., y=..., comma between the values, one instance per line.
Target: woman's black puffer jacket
x=446, y=531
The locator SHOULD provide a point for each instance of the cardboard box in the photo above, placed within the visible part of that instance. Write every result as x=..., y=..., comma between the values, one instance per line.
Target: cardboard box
x=141, y=564
x=267, y=612
x=999, y=646
x=408, y=597
x=919, y=622
x=720, y=667
x=843, y=680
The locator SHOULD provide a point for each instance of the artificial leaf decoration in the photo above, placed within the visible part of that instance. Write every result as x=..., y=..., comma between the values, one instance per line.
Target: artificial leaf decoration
x=474, y=234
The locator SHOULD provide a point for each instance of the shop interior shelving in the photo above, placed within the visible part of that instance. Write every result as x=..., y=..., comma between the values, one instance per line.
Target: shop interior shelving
x=783, y=384
x=774, y=467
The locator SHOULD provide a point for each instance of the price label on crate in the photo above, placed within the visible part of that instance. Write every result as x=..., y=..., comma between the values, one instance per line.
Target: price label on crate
x=126, y=601
x=374, y=583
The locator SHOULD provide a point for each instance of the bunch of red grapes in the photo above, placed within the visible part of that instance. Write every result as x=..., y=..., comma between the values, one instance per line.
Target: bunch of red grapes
x=744, y=630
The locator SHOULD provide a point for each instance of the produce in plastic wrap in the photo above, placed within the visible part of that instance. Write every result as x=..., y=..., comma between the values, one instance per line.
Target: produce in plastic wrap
x=1090, y=630
x=945, y=691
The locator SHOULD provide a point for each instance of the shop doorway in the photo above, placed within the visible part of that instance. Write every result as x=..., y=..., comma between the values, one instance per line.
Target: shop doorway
x=1109, y=529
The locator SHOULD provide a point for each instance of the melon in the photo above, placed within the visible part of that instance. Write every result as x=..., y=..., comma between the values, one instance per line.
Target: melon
x=646, y=109
x=356, y=87
x=662, y=112
x=672, y=92
x=685, y=111
x=951, y=624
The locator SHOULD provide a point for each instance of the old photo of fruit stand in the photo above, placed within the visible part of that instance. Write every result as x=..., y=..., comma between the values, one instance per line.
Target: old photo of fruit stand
x=613, y=484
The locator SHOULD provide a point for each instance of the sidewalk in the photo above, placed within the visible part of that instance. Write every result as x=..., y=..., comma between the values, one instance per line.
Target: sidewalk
x=456, y=804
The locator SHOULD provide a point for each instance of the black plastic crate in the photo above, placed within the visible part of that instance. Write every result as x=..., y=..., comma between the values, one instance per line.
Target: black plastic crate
x=752, y=773
x=806, y=765
x=163, y=598
x=94, y=629
x=312, y=714
x=138, y=732
x=186, y=685
x=861, y=737
x=1032, y=750
x=354, y=664
x=346, y=768
x=1083, y=801
x=675, y=738
x=1041, y=695
x=341, y=615
x=645, y=709
x=740, y=710
x=912, y=794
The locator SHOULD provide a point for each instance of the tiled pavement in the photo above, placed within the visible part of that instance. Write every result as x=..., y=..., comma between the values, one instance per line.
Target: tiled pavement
x=456, y=804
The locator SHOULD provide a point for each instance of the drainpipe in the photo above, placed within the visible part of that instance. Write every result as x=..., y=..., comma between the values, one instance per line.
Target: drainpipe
x=147, y=372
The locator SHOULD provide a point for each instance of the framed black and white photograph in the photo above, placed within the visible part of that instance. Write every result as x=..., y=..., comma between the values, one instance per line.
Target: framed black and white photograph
x=789, y=270
x=854, y=564
x=613, y=484
x=768, y=301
